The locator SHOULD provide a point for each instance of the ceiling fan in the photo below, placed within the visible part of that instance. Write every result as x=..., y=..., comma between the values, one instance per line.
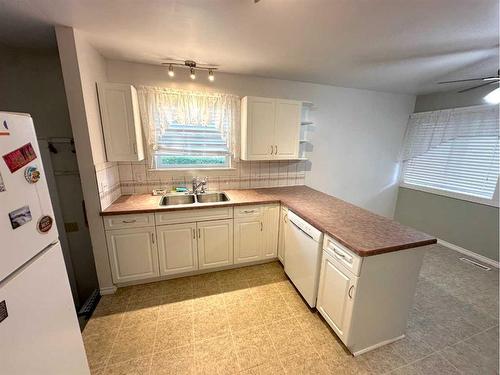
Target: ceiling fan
x=487, y=81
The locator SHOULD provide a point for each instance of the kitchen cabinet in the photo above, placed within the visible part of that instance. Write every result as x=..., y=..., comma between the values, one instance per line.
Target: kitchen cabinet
x=335, y=295
x=121, y=122
x=132, y=253
x=248, y=239
x=270, y=219
x=177, y=248
x=366, y=300
x=270, y=128
x=215, y=243
x=281, y=235
x=255, y=233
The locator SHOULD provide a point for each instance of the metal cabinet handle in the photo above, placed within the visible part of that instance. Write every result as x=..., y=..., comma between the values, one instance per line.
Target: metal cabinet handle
x=129, y=221
x=248, y=211
x=261, y=226
x=135, y=148
x=276, y=150
x=153, y=238
x=272, y=149
x=199, y=233
x=285, y=218
x=194, y=234
x=350, y=290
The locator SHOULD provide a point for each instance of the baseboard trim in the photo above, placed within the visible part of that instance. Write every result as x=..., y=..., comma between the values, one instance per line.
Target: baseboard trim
x=108, y=290
x=378, y=345
x=469, y=253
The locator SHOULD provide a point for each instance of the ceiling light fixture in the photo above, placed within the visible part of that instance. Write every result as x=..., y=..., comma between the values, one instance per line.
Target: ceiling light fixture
x=192, y=66
x=493, y=97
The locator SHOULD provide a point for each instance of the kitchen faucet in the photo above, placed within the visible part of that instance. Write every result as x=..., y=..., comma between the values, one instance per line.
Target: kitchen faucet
x=197, y=184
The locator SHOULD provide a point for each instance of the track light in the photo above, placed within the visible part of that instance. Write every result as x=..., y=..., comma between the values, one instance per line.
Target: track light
x=211, y=76
x=171, y=70
x=192, y=75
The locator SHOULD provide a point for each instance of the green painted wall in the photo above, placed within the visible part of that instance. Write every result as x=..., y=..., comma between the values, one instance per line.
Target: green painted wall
x=470, y=225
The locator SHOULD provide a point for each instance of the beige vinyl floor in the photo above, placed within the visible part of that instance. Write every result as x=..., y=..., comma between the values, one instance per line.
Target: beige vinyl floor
x=252, y=321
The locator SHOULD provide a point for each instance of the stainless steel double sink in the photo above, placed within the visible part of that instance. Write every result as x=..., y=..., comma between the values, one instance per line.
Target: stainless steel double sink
x=177, y=199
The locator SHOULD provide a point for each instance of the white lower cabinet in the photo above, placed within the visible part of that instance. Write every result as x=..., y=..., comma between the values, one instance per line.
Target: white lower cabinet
x=281, y=236
x=335, y=295
x=256, y=233
x=270, y=219
x=215, y=243
x=248, y=239
x=133, y=254
x=177, y=248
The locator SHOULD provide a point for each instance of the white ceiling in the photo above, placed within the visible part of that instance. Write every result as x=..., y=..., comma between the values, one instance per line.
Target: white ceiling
x=388, y=45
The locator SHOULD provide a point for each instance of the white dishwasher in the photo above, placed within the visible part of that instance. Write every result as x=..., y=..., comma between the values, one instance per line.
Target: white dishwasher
x=303, y=256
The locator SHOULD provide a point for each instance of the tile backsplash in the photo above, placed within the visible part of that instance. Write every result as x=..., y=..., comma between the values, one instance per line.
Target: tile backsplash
x=115, y=179
x=136, y=178
x=108, y=182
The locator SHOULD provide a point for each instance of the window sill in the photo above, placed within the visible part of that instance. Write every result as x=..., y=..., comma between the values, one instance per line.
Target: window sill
x=451, y=194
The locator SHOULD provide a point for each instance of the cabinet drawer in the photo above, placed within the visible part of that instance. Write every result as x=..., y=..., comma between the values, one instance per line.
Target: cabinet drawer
x=347, y=258
x=188, y=216
x=129, y=221
x=248, y=211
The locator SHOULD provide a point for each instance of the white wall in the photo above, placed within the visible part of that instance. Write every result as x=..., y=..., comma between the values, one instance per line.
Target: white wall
x=356, y=138
x=82, y=67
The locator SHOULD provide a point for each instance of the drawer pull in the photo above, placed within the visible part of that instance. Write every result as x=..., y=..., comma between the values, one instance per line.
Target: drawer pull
x=194, y=234
x=261, y=226
x=128, y=221
x=343, y=256
x=350, y=290
x=153, y=238
x=248, y=211
x=199, y=233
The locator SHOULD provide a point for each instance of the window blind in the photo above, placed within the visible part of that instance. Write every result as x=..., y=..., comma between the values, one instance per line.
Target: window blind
x=192, y=140
x=458, y=151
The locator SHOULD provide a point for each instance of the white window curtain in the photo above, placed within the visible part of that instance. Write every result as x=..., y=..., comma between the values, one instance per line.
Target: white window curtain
x=429, y=129
x=162, y=108
x=454, y=150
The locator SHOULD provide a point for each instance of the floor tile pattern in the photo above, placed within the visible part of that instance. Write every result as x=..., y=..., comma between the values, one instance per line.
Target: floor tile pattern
x=252, y=321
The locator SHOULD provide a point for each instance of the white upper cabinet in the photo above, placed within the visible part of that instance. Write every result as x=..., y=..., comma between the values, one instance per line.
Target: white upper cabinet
x=120, y=122
x=287, y=129
x=270, y=128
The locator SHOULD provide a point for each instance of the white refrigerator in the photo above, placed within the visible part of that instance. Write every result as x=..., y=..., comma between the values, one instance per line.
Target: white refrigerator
x=39, y=331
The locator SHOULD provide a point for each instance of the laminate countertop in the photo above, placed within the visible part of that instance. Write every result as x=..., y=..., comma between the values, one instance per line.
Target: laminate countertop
x=360, y=230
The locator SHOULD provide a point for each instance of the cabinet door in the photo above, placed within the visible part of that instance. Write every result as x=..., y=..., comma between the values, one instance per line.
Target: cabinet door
x=177, y=248
x=335, y=295
x=287, y=129
x=120, y=122
x=259, y=132
x=215, y=243
x=270, y=221
x=133, y=254
x=247, y=239
x=281, y=236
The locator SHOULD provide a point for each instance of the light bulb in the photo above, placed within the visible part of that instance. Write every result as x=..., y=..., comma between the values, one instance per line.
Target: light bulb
x=493, y=97
x=192, y=75
x=211, y=76
x=171, y=70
